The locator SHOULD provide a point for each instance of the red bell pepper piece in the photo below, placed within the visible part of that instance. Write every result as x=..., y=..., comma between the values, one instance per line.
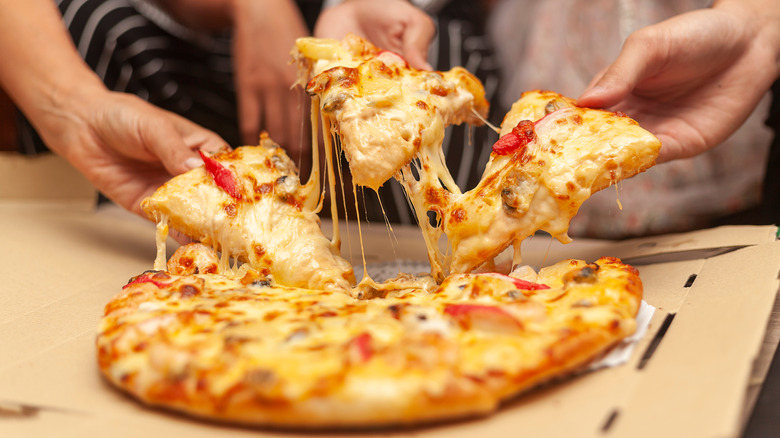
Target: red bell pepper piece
x=154, y=277
x=483, y=317
x=360, y=347
x=222, y=176
x=519, y=137
x=389, y=55
x=519, y=283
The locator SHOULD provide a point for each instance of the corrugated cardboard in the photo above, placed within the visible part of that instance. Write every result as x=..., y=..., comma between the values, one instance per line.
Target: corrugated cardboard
x=63, y=259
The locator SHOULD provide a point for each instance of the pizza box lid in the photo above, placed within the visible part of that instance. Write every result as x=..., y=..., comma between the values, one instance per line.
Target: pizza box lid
x=64, y=259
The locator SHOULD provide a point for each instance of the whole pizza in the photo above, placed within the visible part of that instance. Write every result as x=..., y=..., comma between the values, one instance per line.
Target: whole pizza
x=260, y=320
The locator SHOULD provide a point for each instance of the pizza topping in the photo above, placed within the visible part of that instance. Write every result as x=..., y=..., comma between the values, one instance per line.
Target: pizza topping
x=230, y=352
x=193, y=258
x=222, y=176
x=521, y=135
x=555, y=105
x=263, y=282
x=158, y=278
x=519, y=283
x=279, y=351
x=198, y=204
x=587, y=274
x=424, y=320
x=483, y=317
x=360, y=348
x=298, y=335
x=584, y=303
x=391, y=58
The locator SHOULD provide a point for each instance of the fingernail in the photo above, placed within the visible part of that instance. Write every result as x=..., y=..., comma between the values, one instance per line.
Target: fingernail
x=193, y=162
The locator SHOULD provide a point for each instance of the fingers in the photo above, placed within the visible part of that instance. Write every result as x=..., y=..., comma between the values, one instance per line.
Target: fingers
x=249, y=115
x=634, y=63
x=278, y=117
x=175, y=141
x=415, y=40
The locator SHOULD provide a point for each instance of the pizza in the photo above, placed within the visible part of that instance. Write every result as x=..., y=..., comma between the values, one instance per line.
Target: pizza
x=540, y=172
x=239, y=201
x=260, y=321
x=258, y=353
x=551, y=156
x=380, y=106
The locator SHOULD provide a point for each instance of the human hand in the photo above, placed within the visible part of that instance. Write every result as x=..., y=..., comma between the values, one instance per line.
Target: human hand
x=394, y=25
x=691, y=80
x=125, y=146
x=264, y=34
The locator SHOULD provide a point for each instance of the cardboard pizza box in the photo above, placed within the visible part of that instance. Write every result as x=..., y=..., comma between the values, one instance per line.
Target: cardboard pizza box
x=692, y=374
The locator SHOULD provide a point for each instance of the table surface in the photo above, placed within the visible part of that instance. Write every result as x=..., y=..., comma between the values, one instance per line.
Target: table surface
x=765, y=415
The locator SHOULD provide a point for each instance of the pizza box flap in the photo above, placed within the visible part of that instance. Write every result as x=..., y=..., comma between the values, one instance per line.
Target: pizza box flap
x=687, y=376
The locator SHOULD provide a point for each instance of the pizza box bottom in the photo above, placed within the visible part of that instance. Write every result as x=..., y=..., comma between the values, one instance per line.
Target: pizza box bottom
x=690, y=375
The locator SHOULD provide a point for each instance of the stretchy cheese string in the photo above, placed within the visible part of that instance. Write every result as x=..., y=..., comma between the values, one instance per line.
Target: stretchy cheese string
x=161, y=236
x=389, y=227
x=366, y=277
x=334, y=214
x=313, y=188
x=496, y=129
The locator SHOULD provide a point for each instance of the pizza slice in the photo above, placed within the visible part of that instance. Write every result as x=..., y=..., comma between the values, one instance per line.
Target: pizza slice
x=551, y=157
x=249, y=204
x=384, y=111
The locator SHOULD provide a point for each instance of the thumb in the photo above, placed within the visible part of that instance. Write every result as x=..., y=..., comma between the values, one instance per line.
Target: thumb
x=176, y=141
x=415, y=41
x=618, y=80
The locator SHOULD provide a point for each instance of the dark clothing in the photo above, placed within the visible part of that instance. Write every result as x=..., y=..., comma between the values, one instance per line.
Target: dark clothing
x=771, y=192
x=169, y=66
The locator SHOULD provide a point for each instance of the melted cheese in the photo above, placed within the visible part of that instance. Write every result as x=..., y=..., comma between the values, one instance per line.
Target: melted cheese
x=577, y=151
x=228, y=351
x=161, y=235
x=271, y=227
x=381, y=107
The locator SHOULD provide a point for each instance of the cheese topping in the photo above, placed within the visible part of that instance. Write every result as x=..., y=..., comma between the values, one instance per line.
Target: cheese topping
x=285, y=339
x=161, y=235
x=380, y=107
x=272, y=226
x=569, y=153
x=540, y=187
x=266, y=354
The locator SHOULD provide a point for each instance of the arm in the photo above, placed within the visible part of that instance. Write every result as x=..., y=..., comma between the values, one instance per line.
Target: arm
x=123, y=145
x=693, y=79
x=264, y=33
x=395, y=25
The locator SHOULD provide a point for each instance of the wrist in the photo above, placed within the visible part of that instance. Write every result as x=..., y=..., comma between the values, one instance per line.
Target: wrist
x=62, y=111
x=763, y=16
x=201, y=15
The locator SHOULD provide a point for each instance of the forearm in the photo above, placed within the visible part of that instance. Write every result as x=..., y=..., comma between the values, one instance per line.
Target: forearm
x=203, y=15
x=216, y=15
x=41, y=69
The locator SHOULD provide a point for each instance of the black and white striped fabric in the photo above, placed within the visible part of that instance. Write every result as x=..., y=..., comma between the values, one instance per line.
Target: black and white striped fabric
x=136, y=48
